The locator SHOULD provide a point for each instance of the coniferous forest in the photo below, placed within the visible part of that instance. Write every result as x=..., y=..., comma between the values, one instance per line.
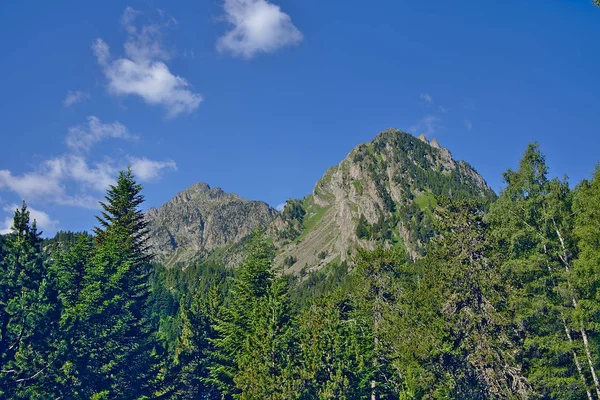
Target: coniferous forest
x=504, y=304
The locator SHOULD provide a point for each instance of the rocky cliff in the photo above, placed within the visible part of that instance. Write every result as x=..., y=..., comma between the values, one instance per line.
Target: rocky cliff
x=383, y=193
x=202, y=219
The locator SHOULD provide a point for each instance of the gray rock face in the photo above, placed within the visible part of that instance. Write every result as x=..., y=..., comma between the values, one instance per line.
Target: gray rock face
x=388, y=186
x=391, y=183
x=201, y=219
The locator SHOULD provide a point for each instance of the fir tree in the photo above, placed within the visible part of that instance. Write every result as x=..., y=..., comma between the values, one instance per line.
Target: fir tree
x=526, y=222
x=114, y=348
x=28, y=315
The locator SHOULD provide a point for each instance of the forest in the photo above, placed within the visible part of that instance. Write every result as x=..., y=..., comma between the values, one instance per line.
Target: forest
x=505, y=304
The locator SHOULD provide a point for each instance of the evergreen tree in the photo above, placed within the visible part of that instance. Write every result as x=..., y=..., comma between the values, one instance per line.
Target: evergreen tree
x=252, y=330
x=469, y=320
x=193, y=348
x=586, y=268
x=526, y=224
x=266, y=361
x=114, y=347
x=28, y=315
x=375, y=273
x=332, y=361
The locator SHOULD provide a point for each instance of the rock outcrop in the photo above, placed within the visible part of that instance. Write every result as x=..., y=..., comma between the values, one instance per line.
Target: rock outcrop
x=383, y=193
x=201, y=219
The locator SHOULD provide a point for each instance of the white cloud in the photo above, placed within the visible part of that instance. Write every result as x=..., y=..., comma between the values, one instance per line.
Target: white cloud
x=258, y=27
x=142, y=72
x=74, y=97
x=426, y=97
x=49, y=181
x=280, y=207
x=32, y=184
x=443, y=109
x=83, y=137
x=468, y=124
x=149, y=170
x=428, y=125
x=71, y=180
x=43, y=220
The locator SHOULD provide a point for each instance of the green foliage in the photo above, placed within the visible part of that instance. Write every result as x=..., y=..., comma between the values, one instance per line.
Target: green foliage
x=504, y=304
x=107, y=319
x=332, y=363
x=293, y=216
x=29, y=342
x=253, y=326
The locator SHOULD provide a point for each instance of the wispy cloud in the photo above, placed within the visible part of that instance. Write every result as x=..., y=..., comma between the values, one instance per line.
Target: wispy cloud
x=74, y=97
x=42, y=219
x=281, y=206
x=257, y=27
x=71, y=179
x=427, y=125
x=82, y=137
x=426, y=97
x=142, y=71
x=468, y=124
x=149, y=170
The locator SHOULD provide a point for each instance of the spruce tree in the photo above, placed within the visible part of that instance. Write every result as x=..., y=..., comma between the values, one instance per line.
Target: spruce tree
x=193, y=349
x=116, y=343
x=332, y=361
x=70, y=266
x=476, y=334
x=28, y=315
x=375, y=297
x=530, y=232
x=586, y=269
x=252, y=330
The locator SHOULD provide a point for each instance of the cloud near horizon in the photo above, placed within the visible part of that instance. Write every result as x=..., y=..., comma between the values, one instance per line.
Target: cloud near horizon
x=427, y=125
x=42, y=220
x=142, y=71
x=257, y=27
x=70, y=179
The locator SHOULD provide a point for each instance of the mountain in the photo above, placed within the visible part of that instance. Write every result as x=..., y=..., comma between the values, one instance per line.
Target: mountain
x=384, y=192
x=200, y=220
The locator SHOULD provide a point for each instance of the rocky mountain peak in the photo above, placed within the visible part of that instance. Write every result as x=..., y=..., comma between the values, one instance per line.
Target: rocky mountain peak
x=201, y=219
x=383, y=192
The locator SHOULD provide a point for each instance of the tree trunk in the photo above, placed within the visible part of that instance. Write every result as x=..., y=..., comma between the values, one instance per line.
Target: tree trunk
x=577, y=363
x=565, y=260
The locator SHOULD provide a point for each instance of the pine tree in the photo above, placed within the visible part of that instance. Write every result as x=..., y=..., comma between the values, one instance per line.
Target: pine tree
x=252, y=330
x=193, y=348
x=115, y=345
x=529, y=229
x=586, y=268
x=28, y=315
x=471, y=301
x=331, y=339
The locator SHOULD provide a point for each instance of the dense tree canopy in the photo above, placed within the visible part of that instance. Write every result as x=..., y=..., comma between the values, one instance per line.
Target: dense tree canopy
x=503, y=304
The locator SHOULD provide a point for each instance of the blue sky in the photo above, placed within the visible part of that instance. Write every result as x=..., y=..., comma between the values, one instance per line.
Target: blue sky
x=261, y=97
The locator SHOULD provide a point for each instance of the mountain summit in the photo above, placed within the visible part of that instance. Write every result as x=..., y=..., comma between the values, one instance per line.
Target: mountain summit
x=202, y=219
x=384, y=192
